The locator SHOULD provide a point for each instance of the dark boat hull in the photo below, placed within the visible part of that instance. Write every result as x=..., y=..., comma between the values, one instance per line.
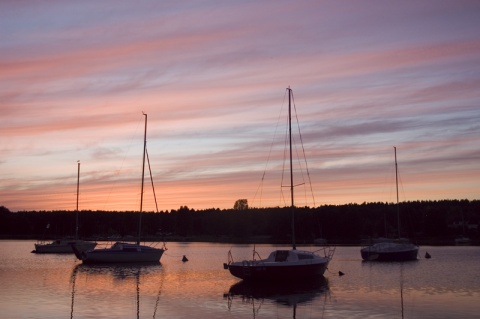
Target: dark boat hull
x=120, y=253
x=406, y=255
x=269, y=273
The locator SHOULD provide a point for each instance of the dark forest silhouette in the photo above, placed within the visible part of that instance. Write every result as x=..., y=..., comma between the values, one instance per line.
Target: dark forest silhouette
x=427, y=222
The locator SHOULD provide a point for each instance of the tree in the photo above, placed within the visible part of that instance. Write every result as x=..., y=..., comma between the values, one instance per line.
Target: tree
x=241, y=204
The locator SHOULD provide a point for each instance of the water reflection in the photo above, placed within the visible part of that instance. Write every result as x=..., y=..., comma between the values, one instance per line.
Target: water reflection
x=51, y=286
x=401, y=289
x=125, y=278
x=289, y=294
x=387, y=283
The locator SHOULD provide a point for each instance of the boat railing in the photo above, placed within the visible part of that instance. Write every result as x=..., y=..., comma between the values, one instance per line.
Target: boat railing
x=230, y=257
x=155, y=244
x=252, y=262
x=328, y=251
x=255, y=253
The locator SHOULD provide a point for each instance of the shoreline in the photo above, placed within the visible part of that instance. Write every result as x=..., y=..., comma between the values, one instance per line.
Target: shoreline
x=250, y=241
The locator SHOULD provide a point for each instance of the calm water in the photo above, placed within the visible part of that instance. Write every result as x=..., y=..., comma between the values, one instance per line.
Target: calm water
x=58, y=286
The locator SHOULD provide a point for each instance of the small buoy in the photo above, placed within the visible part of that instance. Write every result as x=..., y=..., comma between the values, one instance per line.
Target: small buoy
x=427, y=255
x=184, y=259
x=340, y=273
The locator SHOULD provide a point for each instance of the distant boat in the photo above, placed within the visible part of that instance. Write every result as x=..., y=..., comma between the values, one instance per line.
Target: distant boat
x=64, y=246
x=282, y=265
x=462, y=240
x=391, y=250
x=123, y=252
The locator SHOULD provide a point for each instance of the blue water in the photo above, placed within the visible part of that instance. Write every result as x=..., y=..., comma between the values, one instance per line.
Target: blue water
x=58, y=286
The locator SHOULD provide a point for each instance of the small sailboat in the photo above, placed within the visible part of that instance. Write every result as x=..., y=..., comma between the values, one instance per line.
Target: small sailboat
x=389, y=250
x=64, y=246
x=283, y=264
x=463, y=240
x=123, y=252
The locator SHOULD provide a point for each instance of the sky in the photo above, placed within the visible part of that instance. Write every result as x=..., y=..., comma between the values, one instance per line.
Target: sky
x=75, y=77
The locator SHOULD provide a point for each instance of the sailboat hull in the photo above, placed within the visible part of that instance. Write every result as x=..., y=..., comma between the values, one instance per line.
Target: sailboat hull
x=282, y=265
x=63, y=246
x=390, y=252
x=121, y=253
x=278, y=272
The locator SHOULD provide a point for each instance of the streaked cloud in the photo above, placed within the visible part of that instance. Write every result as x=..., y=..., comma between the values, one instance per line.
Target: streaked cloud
x=75, y=78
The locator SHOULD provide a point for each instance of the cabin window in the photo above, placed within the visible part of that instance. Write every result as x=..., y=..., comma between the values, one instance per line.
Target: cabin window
x=281, y=255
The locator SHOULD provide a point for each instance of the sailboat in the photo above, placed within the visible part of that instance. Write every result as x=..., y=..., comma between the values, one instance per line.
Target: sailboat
x=400, y=250
x=283, y=264
x=463, y=240
x=123, y=252
x=64, y=246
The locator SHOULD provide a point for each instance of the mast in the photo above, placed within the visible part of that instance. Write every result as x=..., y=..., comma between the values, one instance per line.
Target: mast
x=396, y=184
x=291, y=164
x=143, y=177
x=78, y=192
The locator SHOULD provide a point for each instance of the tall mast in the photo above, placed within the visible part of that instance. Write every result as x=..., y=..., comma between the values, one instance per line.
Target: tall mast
x=396, y=184
x=291, y=164
x=78, y=192
x=143, y=177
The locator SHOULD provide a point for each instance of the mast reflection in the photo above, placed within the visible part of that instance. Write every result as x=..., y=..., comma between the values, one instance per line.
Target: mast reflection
x=290, y=294
x=98, y=275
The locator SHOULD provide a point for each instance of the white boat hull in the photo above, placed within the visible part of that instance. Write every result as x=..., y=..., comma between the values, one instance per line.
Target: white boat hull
x=63, y=246
x=121, y=253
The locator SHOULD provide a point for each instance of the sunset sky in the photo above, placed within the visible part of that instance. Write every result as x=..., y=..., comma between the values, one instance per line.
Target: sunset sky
x=75, y=77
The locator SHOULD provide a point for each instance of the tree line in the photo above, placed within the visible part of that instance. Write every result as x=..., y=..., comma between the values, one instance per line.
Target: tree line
x=431, y=222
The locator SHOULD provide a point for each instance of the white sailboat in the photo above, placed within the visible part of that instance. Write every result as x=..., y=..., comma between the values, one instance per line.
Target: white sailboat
x=283, y=264
x=64, y=246
x=399, y=250
x=123, y=252
x=463, y=240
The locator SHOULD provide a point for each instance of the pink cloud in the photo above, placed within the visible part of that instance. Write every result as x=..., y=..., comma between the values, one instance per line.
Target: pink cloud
x=365, y=78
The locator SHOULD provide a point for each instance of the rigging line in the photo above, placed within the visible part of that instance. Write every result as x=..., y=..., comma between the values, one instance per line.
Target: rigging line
x=285, y=150
x=151, y=179
x=401, y=185
x=301, y=172
x=121, y=165
x=260, y=187
x=303, y=148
